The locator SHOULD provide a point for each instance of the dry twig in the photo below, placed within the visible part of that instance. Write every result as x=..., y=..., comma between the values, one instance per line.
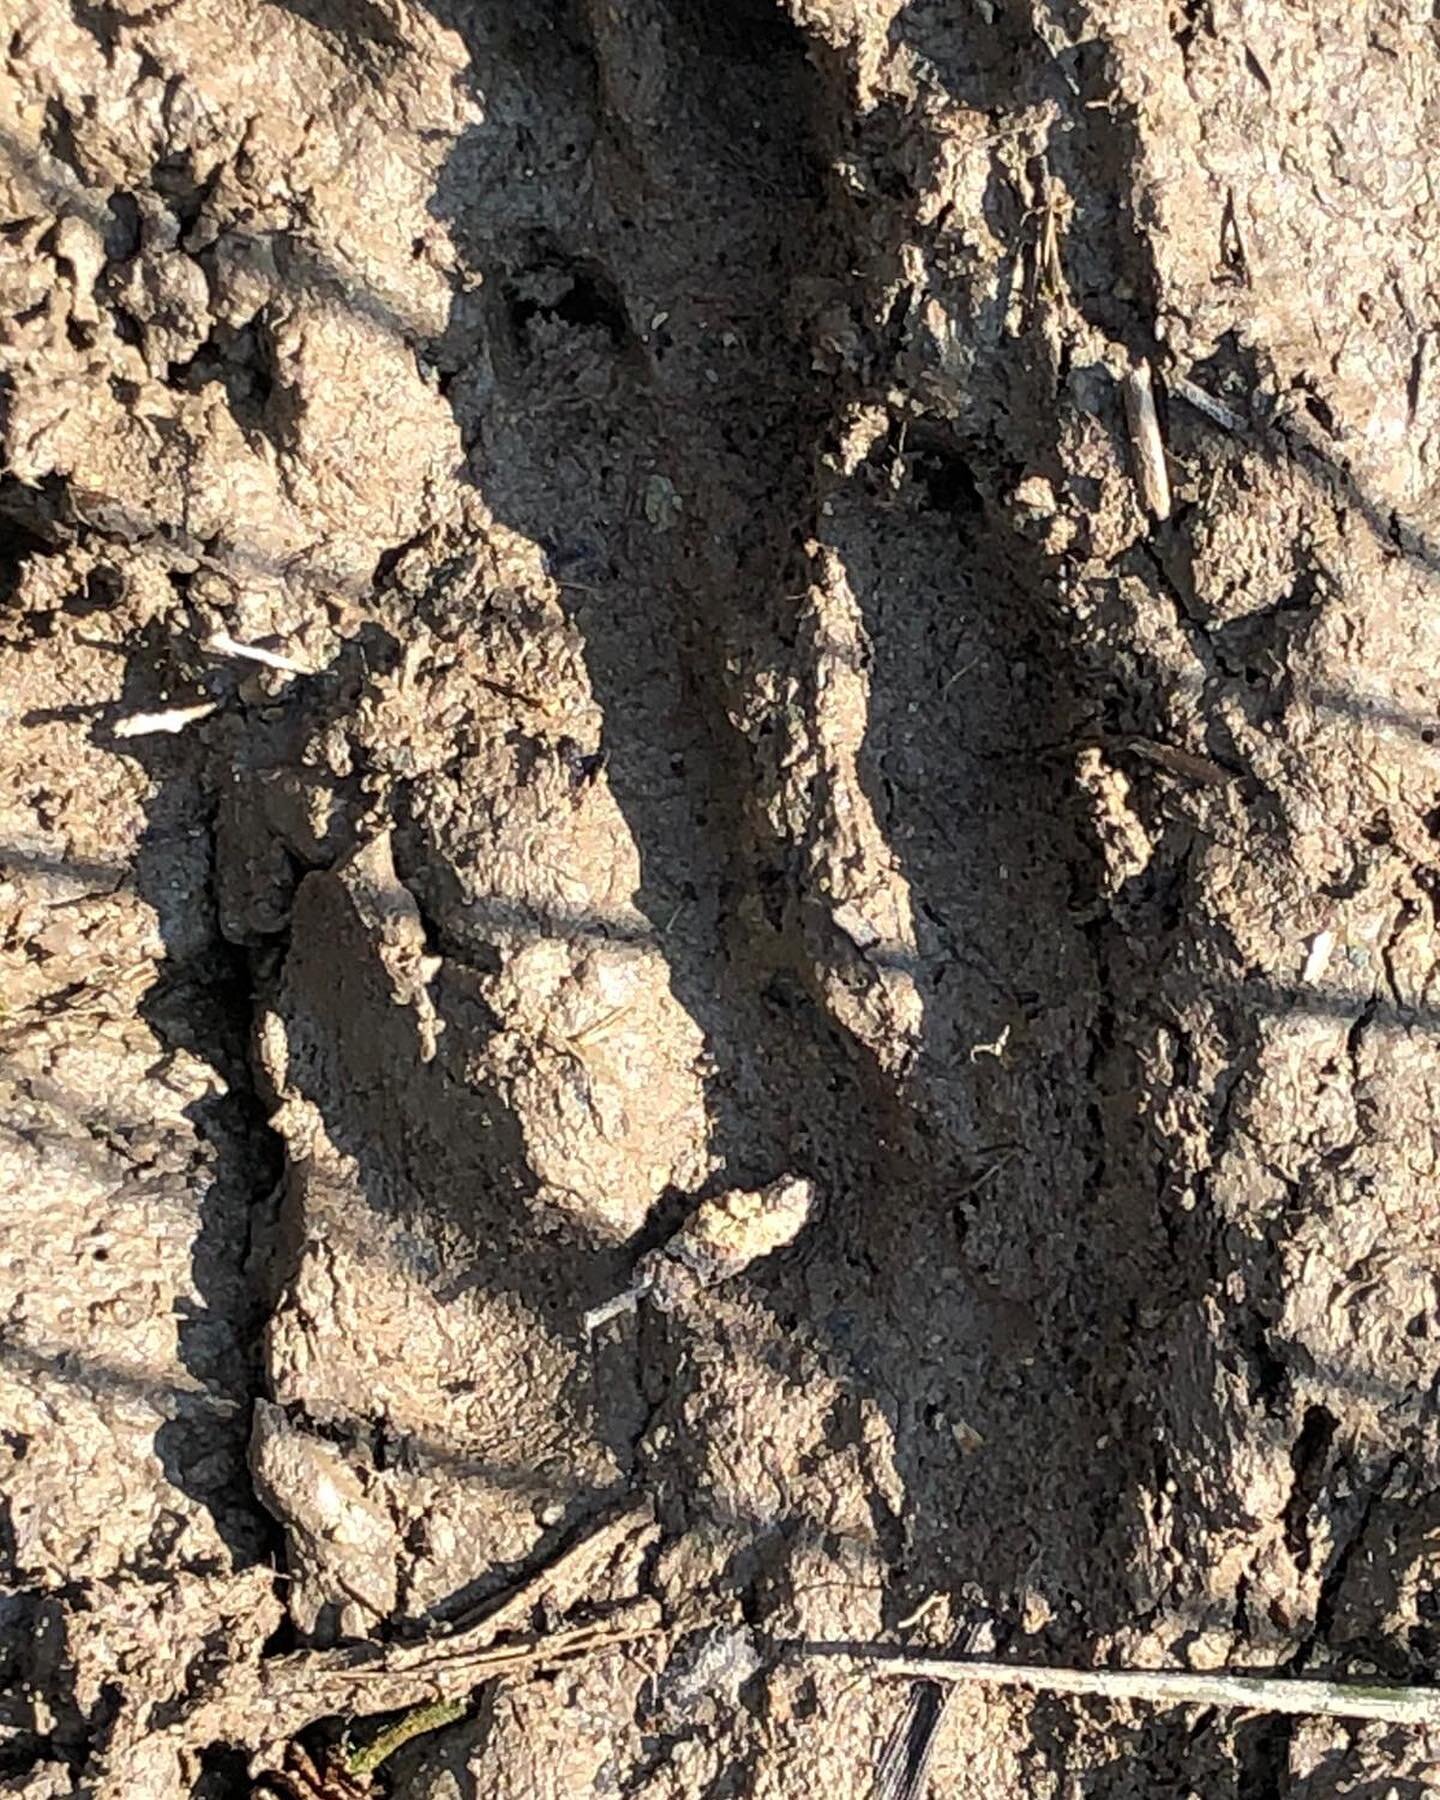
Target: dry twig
x=284, y=1695
x=1147, y=447
x=1295, y=1695
x=1205, y=402
x=220, y=643
x=172, y=719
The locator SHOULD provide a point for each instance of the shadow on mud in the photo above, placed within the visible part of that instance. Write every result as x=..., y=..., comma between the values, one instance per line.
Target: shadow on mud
x=991, y=1309
x=199, y=1002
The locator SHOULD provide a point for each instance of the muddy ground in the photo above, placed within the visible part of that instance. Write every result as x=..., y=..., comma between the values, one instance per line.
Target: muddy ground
x=748, y=724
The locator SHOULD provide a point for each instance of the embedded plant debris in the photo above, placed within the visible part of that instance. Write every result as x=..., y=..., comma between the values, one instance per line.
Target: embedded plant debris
x=1377, y=1704
x=720, y=1239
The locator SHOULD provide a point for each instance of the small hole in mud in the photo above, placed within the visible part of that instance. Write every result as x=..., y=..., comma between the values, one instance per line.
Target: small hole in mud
x=102, y=589
x=590, y=300
x=284, y=1637
x=586, y=303
x=948, y=482
x=224, y=1774
x=1192, y=12
x=1320, y=411
x=1308, y=1461
x=806, y=1702
x=127, y=326
x=779, y=993
x=17, y=545
x=122, y=232
x=240, y=362
x=174, y=178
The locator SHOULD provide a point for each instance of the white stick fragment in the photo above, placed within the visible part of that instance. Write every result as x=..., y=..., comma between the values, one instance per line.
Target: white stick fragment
x=1295, y=1695
x=174, y=718
x=222, y=644
x=612, y=1309
x=1147, y=451
x=721, y=1237
x=1215, y=410
x=1318, y=961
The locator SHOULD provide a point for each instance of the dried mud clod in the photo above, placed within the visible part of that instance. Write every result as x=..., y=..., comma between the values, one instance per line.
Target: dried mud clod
x=720, y=1239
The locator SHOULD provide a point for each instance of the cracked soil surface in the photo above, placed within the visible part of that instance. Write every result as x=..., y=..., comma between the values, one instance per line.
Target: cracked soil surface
x=748, y=725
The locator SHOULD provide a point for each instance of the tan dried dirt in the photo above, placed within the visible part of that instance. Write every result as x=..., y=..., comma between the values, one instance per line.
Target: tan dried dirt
x=752, y=728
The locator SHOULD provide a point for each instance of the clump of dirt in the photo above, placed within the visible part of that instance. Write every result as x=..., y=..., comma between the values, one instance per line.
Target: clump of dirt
x=731, y=714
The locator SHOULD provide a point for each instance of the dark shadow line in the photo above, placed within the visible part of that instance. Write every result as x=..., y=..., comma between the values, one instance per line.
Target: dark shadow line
x=60, y=193
x=126, y=527
x=1270, y=997
x=93, y=880
x=1373, y=710
x=1289, y=441
x=101, y=1376
x=409, y=1452
x=484, y=913
x=308, y=268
